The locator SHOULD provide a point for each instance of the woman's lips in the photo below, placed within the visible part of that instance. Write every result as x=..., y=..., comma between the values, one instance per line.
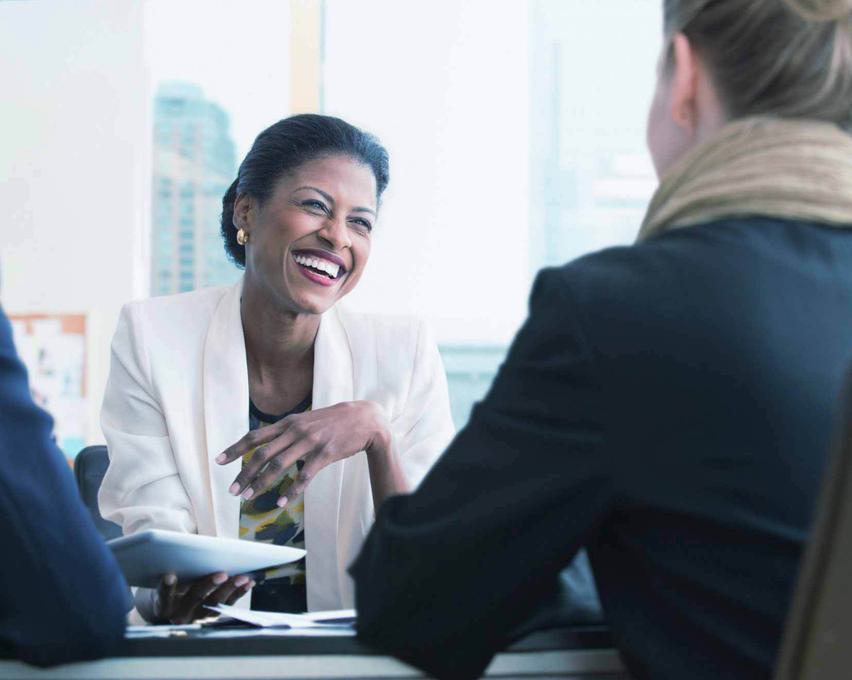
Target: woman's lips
x=319, y=268
x=316, y=277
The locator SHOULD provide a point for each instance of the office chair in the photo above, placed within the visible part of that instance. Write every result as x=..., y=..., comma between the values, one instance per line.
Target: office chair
x=89, y=468
x=818, y=640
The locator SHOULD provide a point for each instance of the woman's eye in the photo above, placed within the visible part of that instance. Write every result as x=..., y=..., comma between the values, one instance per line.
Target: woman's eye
x=316, y=205
x=363, y=224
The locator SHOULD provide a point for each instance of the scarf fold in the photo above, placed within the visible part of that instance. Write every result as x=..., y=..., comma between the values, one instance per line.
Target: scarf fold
x=789, y=169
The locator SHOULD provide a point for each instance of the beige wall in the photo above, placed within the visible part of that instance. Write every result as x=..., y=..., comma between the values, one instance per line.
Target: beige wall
x=74, y=166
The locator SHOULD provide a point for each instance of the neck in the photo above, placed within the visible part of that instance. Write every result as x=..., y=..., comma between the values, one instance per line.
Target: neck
x=759, y=166
x=278, y=342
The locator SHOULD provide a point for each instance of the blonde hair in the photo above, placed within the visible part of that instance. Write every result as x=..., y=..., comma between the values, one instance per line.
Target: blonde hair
x=783, y=58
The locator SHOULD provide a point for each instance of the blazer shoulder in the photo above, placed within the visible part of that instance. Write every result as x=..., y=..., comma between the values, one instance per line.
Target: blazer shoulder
x=196, y=303
x=183, y=310
x=162, y=330
x=383, y=333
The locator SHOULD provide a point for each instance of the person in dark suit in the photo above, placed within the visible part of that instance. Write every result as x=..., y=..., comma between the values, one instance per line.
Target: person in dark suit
x=62, y=596
x=669, y=405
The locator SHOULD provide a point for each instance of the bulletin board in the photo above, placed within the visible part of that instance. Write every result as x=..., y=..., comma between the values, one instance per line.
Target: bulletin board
x=53, y=348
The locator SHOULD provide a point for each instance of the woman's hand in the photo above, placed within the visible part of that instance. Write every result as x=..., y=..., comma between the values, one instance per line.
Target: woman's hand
x=319, y=438
x=187, y=602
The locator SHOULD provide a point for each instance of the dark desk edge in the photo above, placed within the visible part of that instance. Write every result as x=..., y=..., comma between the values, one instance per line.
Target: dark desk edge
x=198, y=644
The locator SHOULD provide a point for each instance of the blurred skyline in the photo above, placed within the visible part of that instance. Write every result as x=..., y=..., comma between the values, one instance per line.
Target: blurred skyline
x=239, y=56
x=193, y=167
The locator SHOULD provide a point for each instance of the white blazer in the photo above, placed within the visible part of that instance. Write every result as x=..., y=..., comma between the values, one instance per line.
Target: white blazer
x=178, y=395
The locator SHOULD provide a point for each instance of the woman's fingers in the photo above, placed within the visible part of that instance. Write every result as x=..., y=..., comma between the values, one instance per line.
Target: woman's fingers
x=224, y=592
x=187, y=607
x=264, y=462
x=188, y=602
x=313, y=464
x=220, y=595
x=250, y=441
x=276, y=467
x=331, y=433
x=239, y=592
x=166, y=593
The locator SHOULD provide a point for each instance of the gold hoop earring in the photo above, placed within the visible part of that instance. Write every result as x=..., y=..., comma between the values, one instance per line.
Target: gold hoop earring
x=242, y=236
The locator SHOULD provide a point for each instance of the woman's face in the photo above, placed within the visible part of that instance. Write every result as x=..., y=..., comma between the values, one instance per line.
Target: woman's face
x=310, y=240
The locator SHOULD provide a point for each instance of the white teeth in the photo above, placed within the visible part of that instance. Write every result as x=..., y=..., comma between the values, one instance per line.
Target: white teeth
x=317, y=263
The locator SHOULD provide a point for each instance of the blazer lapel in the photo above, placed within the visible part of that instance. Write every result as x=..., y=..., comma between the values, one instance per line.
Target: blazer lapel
x=226, y=404
x=332, y=384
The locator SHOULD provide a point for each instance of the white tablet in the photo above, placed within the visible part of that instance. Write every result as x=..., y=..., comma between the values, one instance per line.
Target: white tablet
x=146, y=556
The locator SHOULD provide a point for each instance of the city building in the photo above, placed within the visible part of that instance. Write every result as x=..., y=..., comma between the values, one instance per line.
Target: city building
x=193, y=165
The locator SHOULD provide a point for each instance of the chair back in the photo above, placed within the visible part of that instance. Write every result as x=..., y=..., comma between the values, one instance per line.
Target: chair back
x=90, y=466
x=817, y=643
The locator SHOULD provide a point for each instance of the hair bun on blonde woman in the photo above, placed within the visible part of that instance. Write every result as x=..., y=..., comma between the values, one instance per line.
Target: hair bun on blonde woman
x=821, y=10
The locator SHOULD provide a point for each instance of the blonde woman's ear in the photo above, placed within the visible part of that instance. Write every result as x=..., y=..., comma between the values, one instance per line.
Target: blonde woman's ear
x=684, y=84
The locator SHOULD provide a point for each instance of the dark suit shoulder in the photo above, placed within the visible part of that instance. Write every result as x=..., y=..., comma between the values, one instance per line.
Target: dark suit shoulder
x=701, y=276
x=691, y=256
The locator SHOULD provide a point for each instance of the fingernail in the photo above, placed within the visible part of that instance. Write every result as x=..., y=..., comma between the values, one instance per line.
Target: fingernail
x=221, y=458
x=241, y=580
x=248, y=493
x=170, y=579
x=281, y=502
x=219, y=579
x=234, y=489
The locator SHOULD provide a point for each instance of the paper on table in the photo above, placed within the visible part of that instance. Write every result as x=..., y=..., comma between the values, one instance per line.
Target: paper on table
x=167, y=630
x=325, y=631
x=333, y=619
x=345, y=616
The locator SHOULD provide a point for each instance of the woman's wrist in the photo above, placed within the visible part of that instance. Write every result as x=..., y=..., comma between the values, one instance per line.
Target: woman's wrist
x=380, y=443
x=386, y=478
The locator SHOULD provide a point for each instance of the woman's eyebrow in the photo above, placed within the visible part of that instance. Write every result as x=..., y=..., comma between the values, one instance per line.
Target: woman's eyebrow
x=326, y=196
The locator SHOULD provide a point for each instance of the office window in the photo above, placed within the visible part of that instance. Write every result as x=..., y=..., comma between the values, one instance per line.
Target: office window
x=519, y=144
x=209, y=104
x=515, y=130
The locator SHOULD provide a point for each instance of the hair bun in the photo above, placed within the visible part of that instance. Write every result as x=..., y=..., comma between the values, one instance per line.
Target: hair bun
x=821, y=10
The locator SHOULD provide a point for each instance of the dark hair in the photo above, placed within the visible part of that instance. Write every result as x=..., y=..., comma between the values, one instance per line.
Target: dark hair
x=283, y=147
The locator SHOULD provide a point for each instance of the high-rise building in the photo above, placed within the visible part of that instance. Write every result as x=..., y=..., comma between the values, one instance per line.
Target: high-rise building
x=194, y=164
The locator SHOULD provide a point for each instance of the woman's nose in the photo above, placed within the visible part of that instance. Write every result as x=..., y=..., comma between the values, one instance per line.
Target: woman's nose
x=336, y=233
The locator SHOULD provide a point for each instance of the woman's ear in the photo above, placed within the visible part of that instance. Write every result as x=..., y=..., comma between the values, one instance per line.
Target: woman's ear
x=244, y=212
x=684, y=84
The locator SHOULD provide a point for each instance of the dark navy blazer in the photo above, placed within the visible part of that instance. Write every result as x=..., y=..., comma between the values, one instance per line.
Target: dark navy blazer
x=669, y=406
x=62, y=597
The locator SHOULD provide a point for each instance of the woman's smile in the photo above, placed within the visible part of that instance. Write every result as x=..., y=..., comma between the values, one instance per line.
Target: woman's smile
x=320, y=266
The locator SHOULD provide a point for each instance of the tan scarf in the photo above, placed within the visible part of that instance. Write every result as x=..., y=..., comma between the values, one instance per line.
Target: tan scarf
x=789, y=169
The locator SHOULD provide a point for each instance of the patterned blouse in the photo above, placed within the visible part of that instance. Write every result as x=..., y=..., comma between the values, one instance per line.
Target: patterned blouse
x=281, y=589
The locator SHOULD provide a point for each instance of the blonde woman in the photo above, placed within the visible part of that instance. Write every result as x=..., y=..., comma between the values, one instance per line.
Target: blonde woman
x=667, y=405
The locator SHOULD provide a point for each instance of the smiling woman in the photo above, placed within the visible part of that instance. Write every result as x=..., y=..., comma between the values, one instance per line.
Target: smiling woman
x=265, y=410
